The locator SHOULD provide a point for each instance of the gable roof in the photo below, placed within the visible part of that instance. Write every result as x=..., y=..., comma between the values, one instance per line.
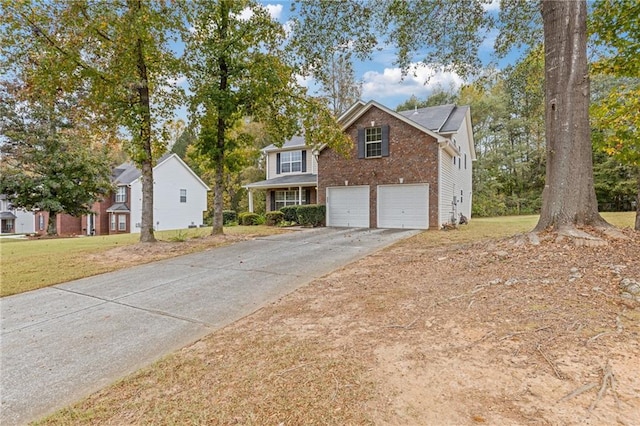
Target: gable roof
x=359, y=108
x=127, y=173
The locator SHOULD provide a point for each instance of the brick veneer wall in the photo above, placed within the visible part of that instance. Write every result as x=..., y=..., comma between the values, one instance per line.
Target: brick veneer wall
x=413, y=156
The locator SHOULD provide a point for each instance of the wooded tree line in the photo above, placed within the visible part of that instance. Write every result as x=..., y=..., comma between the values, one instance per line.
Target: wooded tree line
x=114, y=65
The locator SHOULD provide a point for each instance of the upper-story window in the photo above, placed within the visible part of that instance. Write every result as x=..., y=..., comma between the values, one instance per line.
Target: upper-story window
x=121, y=194
x=291, y=162
x=373, y=142
x=183, y=195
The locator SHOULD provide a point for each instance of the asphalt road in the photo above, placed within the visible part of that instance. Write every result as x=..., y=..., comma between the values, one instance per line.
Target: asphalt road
x=61, y=343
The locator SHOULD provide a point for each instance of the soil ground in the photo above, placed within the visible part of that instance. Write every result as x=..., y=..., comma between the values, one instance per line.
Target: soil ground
x=492, y=332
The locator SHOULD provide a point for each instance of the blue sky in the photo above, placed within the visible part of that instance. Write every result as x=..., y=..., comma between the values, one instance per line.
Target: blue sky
x=383, y=82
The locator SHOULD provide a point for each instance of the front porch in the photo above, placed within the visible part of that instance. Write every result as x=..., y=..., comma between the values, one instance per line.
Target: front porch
x=286, y=191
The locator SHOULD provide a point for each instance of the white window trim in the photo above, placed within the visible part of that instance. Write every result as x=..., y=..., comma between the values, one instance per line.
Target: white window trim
x=121, y=194
x=292, y=197
x=369, y=132
x=290, y=162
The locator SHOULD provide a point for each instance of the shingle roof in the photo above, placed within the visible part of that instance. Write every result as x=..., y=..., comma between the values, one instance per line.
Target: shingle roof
x=441, y=119
x=127, y=172
x=118, y=208
x=285, y=181
x=290, y=143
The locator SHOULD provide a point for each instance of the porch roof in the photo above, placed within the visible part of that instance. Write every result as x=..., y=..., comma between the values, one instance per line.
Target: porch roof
x=118, y=208
x=285, y=182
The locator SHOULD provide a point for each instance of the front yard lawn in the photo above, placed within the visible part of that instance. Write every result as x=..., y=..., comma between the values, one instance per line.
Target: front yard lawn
x=32, y=264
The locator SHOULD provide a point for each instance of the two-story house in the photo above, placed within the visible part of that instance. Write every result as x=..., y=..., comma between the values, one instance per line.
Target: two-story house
x=291, y=175
x=409, y=169
x=180, y=201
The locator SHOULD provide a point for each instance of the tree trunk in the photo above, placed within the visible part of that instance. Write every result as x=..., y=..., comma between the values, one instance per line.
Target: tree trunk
x=569, y=196
x=52, y=224
x=218, y=189
x=637, y=227
x=146, y=225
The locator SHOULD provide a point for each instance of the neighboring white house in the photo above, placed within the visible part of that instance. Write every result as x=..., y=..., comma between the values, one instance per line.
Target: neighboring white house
x=15, y=221
x=179, y=197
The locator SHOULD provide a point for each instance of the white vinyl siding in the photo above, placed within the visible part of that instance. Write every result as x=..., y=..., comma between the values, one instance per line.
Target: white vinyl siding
x=447, y=188
x=169, y=178
x=272, y=164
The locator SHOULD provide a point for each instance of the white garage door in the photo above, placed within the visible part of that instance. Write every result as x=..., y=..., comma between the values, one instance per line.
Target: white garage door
x=348, y=206
x=403, y=206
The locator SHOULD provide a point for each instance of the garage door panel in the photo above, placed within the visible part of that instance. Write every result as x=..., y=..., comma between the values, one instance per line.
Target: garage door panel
x=403, y=206
x=348, y=206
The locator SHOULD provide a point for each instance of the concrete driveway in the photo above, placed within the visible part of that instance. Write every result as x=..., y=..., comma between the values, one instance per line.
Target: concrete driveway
x=61, y=343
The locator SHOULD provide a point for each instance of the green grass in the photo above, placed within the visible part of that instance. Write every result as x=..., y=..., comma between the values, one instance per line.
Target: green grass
x=488, y=228
x=32, y=264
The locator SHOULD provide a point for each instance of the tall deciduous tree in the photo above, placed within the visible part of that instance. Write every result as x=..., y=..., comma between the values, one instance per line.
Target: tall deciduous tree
x=569, y=196
x=239, y=71
x=117, y=52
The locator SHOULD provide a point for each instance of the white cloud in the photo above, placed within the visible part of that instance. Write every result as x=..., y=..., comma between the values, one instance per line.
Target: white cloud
x=493, y=6
x=246, y=14
x=275, y=10
x=420, y=81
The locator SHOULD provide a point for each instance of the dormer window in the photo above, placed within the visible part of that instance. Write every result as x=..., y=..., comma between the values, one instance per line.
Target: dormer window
x=291, y=162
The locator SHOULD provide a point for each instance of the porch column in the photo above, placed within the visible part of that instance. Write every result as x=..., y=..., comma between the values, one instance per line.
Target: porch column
x=299, y=195
x=250, y=200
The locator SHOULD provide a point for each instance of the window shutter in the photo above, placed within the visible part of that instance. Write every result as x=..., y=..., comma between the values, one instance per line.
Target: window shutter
x=360, y=143
x=278, y=163
x=273, y=193
x=304, y=161
x=385, y=140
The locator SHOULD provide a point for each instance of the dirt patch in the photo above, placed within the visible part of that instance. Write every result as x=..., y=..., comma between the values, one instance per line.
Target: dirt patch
x=135, y=254
x=491, y=332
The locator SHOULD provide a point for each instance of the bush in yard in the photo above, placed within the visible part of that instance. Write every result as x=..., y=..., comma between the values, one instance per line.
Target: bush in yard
x=311, y=214
x=249, y=219
x=290, y=213
x=229, y=216
x=274, y=218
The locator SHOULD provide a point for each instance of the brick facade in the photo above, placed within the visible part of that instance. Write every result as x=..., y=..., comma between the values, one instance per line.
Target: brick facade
x=413, y=157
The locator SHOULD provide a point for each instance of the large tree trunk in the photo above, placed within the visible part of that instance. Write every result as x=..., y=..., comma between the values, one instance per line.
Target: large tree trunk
x=146, y=224
x=637, y=227
x=218, y=190
x=569, y=196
